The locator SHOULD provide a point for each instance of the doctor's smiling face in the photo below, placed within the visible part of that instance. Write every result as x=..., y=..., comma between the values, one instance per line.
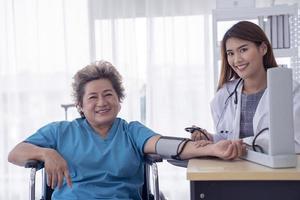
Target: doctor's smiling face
x=245, y=52
x=245, y=57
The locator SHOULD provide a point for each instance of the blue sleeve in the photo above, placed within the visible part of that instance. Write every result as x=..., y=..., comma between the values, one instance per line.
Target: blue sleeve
x=140, y=134
x=45, y=136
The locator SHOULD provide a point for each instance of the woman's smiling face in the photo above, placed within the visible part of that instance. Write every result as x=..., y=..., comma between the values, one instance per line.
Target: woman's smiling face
x=100, y=104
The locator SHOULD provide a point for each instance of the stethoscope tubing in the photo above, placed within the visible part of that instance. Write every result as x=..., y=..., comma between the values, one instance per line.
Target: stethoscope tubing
x=234, y=92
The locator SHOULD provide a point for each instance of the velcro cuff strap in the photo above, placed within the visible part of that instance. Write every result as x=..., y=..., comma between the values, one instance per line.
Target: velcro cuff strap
x=168, y=147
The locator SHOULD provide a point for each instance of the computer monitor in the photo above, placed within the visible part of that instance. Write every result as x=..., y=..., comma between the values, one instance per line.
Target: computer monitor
x=280, y=99
x=281, y=147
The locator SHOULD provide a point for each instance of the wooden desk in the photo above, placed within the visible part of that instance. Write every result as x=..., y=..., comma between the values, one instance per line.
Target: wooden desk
x=214, y=179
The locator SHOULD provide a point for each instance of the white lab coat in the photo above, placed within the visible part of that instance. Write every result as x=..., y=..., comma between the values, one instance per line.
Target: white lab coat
x=226, y=117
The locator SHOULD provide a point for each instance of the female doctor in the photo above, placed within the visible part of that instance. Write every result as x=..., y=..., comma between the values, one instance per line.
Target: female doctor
x=239, y=107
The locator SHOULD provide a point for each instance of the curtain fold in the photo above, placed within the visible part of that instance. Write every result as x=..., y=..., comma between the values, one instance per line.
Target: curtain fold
x=38, y=54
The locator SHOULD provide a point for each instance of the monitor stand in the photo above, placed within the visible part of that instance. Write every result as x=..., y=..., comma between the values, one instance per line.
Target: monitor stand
x=273, y=161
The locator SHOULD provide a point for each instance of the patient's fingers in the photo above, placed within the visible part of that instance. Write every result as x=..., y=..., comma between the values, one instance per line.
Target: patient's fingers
x=244, y=147
x=234, y=152
x=49, y=179
x=228, y=152
x=60, y=179
x=53, y=180
x=240, y=147
x=68, y=178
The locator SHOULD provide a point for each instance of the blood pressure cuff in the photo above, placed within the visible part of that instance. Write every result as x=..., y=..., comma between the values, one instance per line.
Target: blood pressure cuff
x=170, y=147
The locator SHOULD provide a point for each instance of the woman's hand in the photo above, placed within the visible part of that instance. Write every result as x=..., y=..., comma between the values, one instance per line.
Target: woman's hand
x=228, y=149
x=56, y=168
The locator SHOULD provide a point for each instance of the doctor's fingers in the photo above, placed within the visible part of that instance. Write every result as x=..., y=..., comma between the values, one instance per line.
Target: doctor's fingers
x=195, y=136
x=198, y=135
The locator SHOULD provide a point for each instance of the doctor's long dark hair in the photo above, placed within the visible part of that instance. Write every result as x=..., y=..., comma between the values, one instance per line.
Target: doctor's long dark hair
x=246, y=31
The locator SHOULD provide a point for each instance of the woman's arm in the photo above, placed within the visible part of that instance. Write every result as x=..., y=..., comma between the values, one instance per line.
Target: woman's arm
x=225, y=149
x=24, y=152
x=55, y=165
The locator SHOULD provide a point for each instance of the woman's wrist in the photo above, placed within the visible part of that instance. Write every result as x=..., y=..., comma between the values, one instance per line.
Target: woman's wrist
x=45, y=153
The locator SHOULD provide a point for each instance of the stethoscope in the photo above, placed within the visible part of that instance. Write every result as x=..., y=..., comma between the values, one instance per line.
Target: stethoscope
x=235, y=94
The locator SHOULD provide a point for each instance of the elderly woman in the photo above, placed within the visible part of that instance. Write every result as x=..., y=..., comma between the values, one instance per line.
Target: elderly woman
x=100, y=155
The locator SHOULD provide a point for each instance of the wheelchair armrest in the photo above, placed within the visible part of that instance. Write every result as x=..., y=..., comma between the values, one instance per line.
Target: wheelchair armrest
x=34, y=165
x=152, y=158
x=37, y=164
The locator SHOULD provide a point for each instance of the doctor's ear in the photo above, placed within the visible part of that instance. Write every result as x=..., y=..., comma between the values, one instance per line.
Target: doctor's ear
x=264, y=48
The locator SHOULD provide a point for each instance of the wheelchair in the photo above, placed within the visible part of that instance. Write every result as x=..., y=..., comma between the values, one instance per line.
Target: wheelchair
x=147, y=192
x=150, y=190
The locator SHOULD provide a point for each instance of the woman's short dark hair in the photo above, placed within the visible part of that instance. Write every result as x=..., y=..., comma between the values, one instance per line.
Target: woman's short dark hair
x=98, y=70
x=249, y=31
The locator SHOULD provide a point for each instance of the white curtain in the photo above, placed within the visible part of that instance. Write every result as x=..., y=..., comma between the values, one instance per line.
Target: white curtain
x=161, y=47
x=41, y=44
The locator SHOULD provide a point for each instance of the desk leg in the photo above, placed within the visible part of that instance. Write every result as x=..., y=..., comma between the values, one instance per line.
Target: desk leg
x=246, y=190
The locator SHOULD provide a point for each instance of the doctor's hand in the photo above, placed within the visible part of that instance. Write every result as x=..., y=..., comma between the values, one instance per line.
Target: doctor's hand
x=228, y=149
x=56, y=168
x=200, y=134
